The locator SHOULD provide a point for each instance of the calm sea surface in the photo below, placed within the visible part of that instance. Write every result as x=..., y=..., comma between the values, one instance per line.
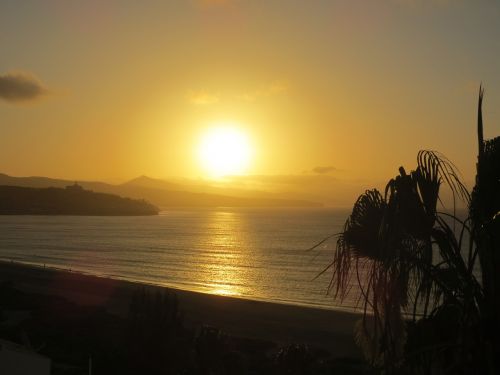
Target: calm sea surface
x=258, y=254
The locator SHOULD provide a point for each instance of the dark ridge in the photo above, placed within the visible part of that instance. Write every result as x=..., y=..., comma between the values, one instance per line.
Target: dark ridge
x=72, y=200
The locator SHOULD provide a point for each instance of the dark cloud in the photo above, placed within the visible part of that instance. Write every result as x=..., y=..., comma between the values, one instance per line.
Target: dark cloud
x=323, y=170
x=20, y=87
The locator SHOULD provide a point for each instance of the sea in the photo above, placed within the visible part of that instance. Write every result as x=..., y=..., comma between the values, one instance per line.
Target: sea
x=253, y=253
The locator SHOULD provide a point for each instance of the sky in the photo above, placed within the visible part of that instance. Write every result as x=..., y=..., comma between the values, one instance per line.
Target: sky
x=330, y=93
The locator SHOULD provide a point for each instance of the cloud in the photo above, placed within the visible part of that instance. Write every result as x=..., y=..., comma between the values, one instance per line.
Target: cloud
x=324, y=170
x=416, y=3
x=208, y=3
x=274, y=88
x=203, y=97
x=21, y=87
x=286, y=179
x=325, y=188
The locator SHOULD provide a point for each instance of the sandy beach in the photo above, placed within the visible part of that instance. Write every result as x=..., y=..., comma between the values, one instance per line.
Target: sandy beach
x=330, y=330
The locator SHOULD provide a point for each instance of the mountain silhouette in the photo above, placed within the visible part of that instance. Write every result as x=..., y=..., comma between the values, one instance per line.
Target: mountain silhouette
x=167, y=194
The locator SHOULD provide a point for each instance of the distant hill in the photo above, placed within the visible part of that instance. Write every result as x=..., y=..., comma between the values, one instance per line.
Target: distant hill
x=167, y=194
x=72, y=200
x=43, y=182
x=152, y=183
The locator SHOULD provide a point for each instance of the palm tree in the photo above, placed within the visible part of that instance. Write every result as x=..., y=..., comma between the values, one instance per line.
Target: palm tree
x=485, y=218
x=425, y=310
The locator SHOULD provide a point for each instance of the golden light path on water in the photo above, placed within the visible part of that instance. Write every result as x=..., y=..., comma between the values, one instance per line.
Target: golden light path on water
x=223, y=274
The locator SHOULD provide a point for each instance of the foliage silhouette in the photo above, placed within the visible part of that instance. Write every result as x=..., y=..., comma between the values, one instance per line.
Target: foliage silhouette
x=426, y=310
x=155, y=333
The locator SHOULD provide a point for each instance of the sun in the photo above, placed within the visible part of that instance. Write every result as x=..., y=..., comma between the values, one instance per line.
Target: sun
x=224, y=150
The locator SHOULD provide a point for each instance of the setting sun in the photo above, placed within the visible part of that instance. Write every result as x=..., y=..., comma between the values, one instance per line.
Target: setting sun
x=224, y=150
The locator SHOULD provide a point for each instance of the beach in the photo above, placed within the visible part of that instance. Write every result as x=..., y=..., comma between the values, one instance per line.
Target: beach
x=283, y=324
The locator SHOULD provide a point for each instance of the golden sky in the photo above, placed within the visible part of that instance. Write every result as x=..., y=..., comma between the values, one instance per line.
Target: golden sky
x=345, y=89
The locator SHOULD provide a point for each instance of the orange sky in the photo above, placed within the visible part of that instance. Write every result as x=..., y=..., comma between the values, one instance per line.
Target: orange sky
x=113, y=90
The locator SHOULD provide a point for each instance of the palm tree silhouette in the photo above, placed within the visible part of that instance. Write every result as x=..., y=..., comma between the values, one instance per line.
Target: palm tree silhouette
x=426, y=308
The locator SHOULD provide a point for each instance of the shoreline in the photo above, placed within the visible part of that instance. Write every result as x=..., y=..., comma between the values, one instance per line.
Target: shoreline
x=173, y=288
x=331, y=330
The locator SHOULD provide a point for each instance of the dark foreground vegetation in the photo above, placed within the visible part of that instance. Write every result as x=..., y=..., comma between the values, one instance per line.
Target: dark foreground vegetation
x=429, y=281
x=73, y=200
x=151, y=339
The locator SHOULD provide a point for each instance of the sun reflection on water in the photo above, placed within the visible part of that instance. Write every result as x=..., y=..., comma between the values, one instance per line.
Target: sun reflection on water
x=224, y=292
x=224, y=274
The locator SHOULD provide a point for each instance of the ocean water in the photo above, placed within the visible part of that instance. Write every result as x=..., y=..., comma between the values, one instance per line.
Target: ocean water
x=252, y=253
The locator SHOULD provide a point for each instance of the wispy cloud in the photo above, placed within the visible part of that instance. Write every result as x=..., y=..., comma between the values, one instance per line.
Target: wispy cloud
x=202, y=97
x=416, y=3
x=286, y=179
x=324, y=188
x=274, y=88
x=324, y=170
x=21, y=87
x=205, y=97
x=214, y=2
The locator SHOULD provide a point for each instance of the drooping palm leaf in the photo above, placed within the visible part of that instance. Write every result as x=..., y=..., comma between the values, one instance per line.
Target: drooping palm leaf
x=359, y=238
